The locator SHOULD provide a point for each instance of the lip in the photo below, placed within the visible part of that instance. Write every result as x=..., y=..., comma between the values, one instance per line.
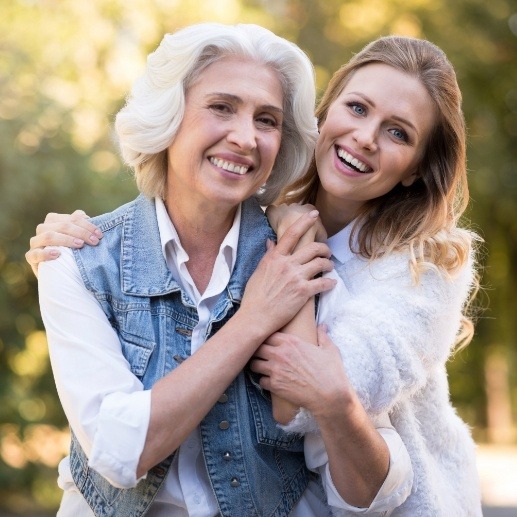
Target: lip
x=346, y=170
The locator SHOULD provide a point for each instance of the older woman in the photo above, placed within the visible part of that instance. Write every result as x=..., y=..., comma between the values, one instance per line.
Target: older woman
x=146, y=342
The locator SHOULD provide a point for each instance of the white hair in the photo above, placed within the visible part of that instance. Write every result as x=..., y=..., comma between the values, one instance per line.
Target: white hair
x=148, y=123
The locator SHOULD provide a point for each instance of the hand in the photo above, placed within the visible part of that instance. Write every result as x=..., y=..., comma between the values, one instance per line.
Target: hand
x=70, y=230
x=282, y=216
x=308, y=376
x=284, y=280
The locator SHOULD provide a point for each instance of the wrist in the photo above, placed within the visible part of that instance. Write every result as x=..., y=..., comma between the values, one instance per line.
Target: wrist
x=250, y=326
x=341, y=404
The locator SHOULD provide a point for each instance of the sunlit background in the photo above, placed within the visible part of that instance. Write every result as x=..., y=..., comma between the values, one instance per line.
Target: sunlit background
x=65, y=67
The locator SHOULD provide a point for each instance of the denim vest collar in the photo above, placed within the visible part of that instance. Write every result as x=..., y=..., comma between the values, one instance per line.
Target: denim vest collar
x=158, y=280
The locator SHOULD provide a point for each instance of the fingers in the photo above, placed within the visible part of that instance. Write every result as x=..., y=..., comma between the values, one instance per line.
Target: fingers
x=293, y=234
x=72, y=234
x=35, y=256
x=69, y=230
x=312, y=250
x=259, y=366
x=320, y=285
x=275, y=339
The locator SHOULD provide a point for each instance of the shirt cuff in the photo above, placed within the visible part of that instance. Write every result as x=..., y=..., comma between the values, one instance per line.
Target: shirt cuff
x=120, y=437
x=393, y=492
x=396, y=487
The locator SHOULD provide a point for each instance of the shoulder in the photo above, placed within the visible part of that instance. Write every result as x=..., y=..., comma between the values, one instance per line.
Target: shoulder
x=109, y=220
x=125, y=219
x=384, y=289
x=394, y=269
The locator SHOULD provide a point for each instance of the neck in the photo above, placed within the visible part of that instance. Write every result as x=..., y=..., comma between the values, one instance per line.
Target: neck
x=335, y=213
x=199, y=225
x=201, y=230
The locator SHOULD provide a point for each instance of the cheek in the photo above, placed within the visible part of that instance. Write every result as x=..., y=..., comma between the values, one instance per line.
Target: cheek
x=271, y=148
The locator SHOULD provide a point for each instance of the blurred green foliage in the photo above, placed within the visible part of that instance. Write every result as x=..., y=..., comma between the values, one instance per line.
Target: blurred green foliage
x=65, y=67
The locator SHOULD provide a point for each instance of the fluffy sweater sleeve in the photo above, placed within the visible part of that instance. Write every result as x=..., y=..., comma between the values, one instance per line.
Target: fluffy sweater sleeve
x=391, y=333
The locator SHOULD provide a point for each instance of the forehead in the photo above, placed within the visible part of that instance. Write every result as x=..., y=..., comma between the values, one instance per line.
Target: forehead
x=391, y=90
x=242, y=77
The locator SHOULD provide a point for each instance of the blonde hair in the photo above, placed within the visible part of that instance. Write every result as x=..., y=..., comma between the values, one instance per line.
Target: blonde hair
x=148, y=123
x=423, y=217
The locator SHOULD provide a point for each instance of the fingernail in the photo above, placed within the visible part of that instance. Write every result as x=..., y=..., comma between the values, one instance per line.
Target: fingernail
x=93, y=239
x=54, y=253
x=78, y=242
x=314, y=213
x=98, y=233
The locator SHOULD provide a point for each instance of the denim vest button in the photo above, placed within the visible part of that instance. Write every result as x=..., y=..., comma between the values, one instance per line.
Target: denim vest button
x=234, y=482
x=223, y=398
x=227, y=456
x=224, y=425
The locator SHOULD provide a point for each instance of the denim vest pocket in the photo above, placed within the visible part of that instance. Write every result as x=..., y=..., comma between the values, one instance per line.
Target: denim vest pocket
x=266, y=427
x=137, y=350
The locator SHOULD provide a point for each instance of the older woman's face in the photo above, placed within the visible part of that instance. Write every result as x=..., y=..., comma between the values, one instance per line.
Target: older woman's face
x=230, y=135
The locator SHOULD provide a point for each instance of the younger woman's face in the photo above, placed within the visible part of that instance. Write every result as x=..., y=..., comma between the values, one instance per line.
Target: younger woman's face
x=373, y=138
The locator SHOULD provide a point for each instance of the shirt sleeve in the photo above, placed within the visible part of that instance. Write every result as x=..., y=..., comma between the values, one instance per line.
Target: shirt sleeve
x=105, y=404
x=393, y=492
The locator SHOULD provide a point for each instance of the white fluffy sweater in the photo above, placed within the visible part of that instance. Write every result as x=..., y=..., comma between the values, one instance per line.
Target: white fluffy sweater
x=395, y=339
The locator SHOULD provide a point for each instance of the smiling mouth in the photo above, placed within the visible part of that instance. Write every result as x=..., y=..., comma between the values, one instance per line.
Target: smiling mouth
x=235, y=168
x=352, y=162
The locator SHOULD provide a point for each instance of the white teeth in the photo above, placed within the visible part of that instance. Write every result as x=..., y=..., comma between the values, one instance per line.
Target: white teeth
x=352, y=161
x=229, y=166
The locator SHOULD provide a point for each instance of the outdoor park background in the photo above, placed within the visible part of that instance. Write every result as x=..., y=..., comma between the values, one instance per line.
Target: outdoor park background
x=65, y=67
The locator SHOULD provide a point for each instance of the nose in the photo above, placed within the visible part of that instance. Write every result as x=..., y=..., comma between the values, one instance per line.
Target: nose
x=243, y=133
x=366, y=136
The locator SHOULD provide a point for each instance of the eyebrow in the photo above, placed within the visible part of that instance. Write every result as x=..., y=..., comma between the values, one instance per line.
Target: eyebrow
x=238, y=100
x=394, y=117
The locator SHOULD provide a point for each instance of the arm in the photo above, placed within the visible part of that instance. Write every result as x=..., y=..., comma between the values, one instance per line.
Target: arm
x=70, y=230
x=395, y=488
x=303, y=324
x=276, y=292
x=314, y=377
x=94, y=380
x=390, y=334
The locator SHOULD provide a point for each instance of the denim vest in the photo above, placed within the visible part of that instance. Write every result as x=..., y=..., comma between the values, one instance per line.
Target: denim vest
x=255, y=469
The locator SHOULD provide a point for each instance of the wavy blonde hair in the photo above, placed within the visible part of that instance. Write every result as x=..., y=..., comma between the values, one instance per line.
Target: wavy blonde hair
x=423, y=217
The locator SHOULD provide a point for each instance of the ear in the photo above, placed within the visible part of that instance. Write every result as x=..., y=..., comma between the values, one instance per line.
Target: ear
x=409, y=180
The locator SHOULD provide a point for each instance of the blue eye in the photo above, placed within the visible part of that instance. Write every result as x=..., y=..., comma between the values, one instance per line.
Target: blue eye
x=399, y=134
x=357, y=108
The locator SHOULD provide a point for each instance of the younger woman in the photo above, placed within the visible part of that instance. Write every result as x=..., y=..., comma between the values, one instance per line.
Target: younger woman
x=389, y=181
